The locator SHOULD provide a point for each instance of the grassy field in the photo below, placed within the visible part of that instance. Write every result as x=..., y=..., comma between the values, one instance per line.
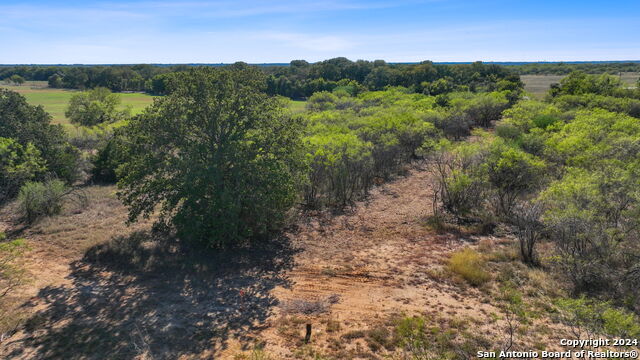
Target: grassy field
x=538, y=85
x=55, y=101
x=297, y=106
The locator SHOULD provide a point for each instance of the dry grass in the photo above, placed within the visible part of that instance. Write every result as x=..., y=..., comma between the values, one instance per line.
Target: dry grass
x=470, y=265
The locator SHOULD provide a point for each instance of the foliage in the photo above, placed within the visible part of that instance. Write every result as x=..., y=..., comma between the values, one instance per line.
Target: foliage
x=513, y=173
x=109, y=157
x=16, y=79
x=341, y=169
x=18, y=164
x=219, y=158
x=37, y=199
x=96, y=106
x=28, y=124
x=469, y=264
x=461, y=178
x=591, y=317
x=580, y=83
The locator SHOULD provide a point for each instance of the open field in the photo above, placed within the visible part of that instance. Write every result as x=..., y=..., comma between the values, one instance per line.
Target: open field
x=538, y=85
x=55, y=101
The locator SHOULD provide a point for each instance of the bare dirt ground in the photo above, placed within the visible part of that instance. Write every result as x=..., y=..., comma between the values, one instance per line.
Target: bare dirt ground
x=106, y=291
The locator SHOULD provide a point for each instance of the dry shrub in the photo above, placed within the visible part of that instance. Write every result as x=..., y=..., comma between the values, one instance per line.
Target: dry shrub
x=469, y=264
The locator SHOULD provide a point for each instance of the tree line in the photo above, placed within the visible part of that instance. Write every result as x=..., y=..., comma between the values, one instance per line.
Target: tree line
x=299, y=79
x=562, y=68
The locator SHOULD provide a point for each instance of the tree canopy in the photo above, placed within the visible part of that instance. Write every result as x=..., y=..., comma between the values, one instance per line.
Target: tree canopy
x=219, y=157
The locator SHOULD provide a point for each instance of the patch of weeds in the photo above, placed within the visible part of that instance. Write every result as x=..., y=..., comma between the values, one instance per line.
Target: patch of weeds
x=470, y=265
x=380, y=337
x=353, y=334
x=439, y=224
x=333, y=326
x=328, y=271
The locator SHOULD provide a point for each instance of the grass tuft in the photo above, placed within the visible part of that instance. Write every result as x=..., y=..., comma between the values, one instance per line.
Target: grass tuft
x=469, y=264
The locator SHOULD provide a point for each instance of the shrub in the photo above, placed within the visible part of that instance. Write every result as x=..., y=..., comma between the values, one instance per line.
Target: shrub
x=597, y=318
x=18, y=164
x=109, y=157
x=469, y=264
x=461, y=178
x=341, y=169
x=38, y=199
x=512, y=173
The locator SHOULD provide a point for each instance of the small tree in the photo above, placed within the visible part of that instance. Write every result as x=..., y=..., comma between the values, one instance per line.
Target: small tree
x=513, y=173
x=529, y=229
x=95, y=107
x=219, y=157
x=17, y=79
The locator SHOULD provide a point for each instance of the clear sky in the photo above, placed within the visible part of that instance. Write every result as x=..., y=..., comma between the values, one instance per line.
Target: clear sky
x=171, y=31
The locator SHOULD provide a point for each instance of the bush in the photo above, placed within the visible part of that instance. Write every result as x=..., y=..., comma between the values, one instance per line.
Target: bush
x=512, y=173
x=469, y=264
x=461, y=178
x=38, y=199
x=598, y=318
x=109, y=157
x=18, y=164
x=341, y=169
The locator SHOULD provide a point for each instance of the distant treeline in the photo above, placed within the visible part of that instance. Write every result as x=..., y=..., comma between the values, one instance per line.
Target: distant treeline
x=566, y=68
x=299, y=79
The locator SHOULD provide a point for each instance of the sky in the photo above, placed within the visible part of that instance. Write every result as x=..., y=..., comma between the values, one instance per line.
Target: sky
x=171, y=31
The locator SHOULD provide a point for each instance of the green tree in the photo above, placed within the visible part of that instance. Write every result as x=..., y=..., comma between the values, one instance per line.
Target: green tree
x=219, y=157
x=16, y=79
x=95, y=107
x=28, y=124
x=513, y=173
x=18, y=164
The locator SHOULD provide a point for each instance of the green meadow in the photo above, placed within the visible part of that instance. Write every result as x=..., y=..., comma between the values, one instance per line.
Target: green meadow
x=55, y=101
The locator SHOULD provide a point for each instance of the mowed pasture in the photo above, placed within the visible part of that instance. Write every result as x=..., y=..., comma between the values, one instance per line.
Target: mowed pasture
x=55, y=101
x=538, y=85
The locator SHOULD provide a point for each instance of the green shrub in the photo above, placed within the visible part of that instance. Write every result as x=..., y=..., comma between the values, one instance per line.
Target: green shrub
x=596, y=317
x=469, y=264
x=18, y=164
x=37, y=199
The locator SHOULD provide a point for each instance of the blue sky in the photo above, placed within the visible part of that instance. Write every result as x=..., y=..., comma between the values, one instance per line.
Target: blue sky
x=169, y=31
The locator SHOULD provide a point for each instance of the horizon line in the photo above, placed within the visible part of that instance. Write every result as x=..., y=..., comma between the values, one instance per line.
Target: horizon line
x=286, y=64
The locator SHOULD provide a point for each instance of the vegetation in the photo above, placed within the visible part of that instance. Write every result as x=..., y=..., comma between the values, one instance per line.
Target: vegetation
x=220, y=158
x=562, y=171
x=562, y=68
x=33, y=146
x=38, y=199
x=94, y=107
x=470, y=265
